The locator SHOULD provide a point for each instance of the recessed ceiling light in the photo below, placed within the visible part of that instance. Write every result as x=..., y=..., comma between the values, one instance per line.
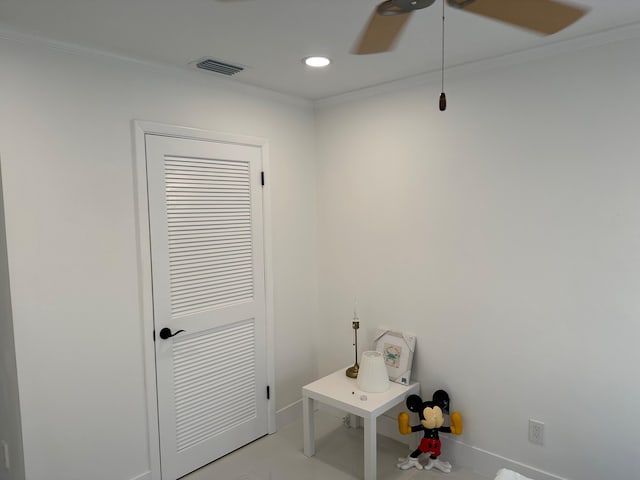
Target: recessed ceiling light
x=317, y=61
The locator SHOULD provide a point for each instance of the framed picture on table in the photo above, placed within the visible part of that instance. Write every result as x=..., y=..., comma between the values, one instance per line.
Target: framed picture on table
x=397, y=350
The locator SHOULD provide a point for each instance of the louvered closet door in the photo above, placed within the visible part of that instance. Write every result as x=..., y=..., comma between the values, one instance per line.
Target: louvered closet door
x=205, y=209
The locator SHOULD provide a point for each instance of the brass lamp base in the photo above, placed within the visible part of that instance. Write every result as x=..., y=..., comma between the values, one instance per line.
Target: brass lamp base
x=352, y=372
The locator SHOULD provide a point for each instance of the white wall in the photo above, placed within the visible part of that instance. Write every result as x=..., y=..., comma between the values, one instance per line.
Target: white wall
x=66, y=146
x=505, y=232
x=10, y=430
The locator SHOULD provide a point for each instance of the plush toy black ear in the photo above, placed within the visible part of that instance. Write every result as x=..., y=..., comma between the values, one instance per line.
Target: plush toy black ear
x=441, y=398
x=414, y=403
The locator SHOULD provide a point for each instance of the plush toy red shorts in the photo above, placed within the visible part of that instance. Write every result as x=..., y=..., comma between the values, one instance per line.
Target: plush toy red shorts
x=430, y=445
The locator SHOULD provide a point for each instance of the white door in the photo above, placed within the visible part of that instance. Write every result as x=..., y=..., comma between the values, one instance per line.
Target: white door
x=207, y=260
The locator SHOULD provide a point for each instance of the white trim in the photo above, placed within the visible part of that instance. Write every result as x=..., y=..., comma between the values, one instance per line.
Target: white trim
x=11, y=34
x=615, y=34
x=143, y=476
x=146, y=299
x=487, y=463
x=268, y=286
x=460, y=454
x=388, y=427
x=157, y=128
x=140, y=129
x=289, y=414
x=464, y=69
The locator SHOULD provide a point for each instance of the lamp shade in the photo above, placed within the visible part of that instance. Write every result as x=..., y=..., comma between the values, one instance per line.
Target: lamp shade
x=372, y=376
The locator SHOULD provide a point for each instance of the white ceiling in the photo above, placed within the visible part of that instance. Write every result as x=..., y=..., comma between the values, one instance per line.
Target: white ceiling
x=270, y=37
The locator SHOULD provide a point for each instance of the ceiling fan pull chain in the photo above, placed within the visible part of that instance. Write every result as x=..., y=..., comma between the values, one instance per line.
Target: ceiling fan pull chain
x=443, y=97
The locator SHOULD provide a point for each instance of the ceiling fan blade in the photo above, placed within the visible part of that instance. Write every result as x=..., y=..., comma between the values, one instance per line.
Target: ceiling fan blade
x=542, y=16
x=381, y=33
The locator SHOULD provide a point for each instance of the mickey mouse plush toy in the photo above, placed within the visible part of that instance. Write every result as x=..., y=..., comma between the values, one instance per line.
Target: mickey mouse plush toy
x=431, y=421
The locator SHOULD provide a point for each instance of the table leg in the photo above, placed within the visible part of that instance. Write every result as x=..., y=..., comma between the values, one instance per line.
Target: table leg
x=308, y=427
x=370, y=457
x=355, y=421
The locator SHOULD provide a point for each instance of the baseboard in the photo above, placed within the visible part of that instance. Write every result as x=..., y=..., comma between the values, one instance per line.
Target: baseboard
x=144, y=476
x=460, y=454
x=289, y=414
x=388, y=426
x=487, y=463
x=284, y=417
x=466, y=456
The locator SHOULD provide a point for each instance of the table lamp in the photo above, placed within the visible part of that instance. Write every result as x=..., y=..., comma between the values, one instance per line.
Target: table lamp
x=373, y=376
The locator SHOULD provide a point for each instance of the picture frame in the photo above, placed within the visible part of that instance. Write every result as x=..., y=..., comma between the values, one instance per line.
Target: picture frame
x=397, y=349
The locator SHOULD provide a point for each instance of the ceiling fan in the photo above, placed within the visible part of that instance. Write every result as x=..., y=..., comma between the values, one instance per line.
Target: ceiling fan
x=390, y=17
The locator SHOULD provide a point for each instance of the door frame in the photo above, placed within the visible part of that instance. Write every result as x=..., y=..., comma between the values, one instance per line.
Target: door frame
x=140, y=129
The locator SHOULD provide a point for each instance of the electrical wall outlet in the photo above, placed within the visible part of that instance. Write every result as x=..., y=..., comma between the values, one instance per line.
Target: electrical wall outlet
x=4, y=451
x=536, y=432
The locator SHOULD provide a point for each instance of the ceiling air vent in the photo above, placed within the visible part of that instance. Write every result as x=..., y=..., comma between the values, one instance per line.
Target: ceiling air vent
x=218, y=66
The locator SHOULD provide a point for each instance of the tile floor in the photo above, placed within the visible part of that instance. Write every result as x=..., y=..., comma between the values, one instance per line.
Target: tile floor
x=339, y=456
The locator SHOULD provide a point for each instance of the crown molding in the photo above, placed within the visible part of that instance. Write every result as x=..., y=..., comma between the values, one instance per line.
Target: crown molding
x=627, y=32
x=15, y=36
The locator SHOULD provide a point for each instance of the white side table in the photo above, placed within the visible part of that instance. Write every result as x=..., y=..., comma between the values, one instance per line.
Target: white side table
x=341, y=392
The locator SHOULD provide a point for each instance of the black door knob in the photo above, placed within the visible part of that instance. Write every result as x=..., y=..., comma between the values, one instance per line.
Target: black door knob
x=166, y=333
